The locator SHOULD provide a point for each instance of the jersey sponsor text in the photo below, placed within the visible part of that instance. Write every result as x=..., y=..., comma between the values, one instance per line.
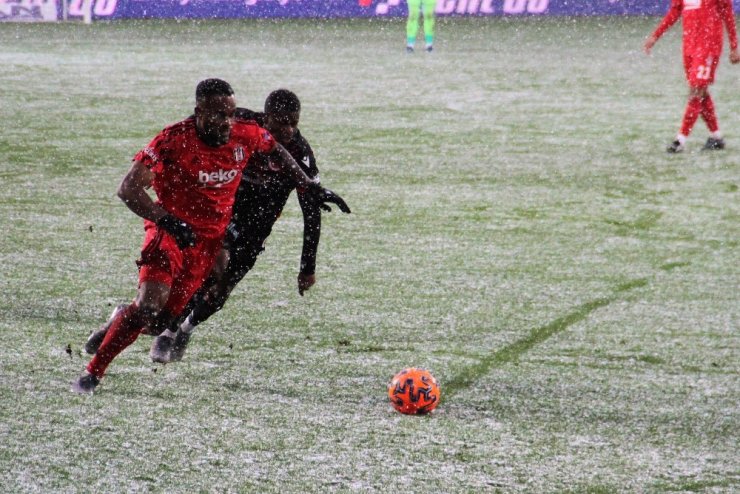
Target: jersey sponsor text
x=217, y=179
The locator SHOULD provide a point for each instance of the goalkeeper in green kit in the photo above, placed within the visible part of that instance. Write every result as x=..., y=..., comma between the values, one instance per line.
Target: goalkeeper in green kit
x=412, y=24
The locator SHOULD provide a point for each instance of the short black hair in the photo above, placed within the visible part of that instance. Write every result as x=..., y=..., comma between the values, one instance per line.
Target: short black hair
x=213, y=87
x=282, y=101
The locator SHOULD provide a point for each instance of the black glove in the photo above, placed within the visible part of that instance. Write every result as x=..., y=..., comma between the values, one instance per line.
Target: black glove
x=184, y=235
x=322, y=196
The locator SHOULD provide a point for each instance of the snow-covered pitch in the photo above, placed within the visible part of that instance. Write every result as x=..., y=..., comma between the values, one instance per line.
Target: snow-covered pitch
x=517, y=228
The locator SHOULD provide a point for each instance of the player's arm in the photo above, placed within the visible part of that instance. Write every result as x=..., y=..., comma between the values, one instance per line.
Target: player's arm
x=728, y=17
x=674, y=13
x=319, y=194
x=133, y=193
x=316, y=193
x=303, y=153
x=293, y=169
x=312, y=201
x=311, y=236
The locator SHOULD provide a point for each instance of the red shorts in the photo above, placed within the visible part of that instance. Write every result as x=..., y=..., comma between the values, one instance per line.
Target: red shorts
x=183, y=270
x=700, y=68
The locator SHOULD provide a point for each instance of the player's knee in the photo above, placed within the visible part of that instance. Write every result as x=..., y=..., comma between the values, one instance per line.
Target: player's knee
x=148, y=313
x=219, y=298
x=163, y=320
x=698, y=91
x=222, y=261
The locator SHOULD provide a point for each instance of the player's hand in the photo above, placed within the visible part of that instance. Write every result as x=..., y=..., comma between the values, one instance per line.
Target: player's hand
x=305, y=281
x=181, y=231
x=649, y=43
x=322, y=196
x=735, y=56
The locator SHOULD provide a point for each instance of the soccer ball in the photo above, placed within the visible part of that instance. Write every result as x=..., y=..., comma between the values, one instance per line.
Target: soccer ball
x=414, y=391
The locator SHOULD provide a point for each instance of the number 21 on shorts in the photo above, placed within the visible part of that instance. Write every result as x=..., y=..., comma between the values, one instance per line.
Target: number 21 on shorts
x=703, y=72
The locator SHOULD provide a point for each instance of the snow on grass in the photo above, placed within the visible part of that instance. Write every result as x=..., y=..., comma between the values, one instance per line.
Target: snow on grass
x=516, y=228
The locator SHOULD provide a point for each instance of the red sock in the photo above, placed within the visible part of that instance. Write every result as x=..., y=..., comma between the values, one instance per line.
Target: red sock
x=693, y=108
x=708, y=114
x=123, y=331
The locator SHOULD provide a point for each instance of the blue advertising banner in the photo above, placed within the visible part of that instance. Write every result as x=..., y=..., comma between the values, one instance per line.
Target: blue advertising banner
x=355, y=8
x=227, y=9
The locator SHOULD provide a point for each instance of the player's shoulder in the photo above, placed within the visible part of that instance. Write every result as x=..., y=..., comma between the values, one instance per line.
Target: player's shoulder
x=301, y=150
x=247, y=128
x=299, y=144
x=174, y=134
x=250, y=131
x=180, y=128
x=240, y=125
x=300, y=139
x=245, y=114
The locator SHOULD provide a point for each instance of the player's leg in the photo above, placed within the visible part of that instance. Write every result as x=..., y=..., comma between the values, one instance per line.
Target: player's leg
x=693, y=105
x=240, y=259
x=691, y=114
x=162, y=321
x=160, y=259
x=96, y=338
x=698, y=75
x=214, y=299
x=412, y=23
x=201, y=301
x=429, y=20
x=200, y=294
x=708, y=113
x=163, y=344
x=197, y=266
x=212, y=302
x=242, y=255
x=123, y=331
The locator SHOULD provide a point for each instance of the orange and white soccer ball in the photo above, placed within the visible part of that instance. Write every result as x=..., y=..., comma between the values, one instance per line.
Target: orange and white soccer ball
x=414, y=391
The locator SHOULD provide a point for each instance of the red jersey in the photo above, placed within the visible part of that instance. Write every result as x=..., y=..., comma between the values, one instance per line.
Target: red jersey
x=196, y=182
x=703, y=22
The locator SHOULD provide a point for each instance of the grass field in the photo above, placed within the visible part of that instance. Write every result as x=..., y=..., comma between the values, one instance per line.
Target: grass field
x=517, y=228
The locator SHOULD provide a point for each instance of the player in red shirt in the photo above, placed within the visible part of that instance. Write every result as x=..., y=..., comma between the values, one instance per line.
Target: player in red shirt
x=194, y=167
x=703, y=25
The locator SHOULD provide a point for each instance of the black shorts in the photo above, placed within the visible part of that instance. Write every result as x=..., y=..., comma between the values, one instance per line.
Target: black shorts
x=244, y=242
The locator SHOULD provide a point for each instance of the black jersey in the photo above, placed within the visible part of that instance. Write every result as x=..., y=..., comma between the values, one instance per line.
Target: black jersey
x=264, y=191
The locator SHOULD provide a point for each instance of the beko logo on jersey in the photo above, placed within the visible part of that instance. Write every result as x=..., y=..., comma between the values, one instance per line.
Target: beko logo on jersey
x=217, y=179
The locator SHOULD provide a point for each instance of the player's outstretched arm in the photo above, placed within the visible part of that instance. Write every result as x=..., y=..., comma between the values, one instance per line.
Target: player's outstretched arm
x=292, y=168
x=323, y=196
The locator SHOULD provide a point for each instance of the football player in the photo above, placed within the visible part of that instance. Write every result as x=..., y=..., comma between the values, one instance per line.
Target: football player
x=425, y=8
x=704, y=22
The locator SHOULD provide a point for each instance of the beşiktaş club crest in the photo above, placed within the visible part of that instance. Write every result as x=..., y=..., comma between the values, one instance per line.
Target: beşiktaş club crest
x=239, y=154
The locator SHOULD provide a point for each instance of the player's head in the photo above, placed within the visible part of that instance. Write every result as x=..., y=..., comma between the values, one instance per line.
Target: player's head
x=282, y=112
x=214, y=111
